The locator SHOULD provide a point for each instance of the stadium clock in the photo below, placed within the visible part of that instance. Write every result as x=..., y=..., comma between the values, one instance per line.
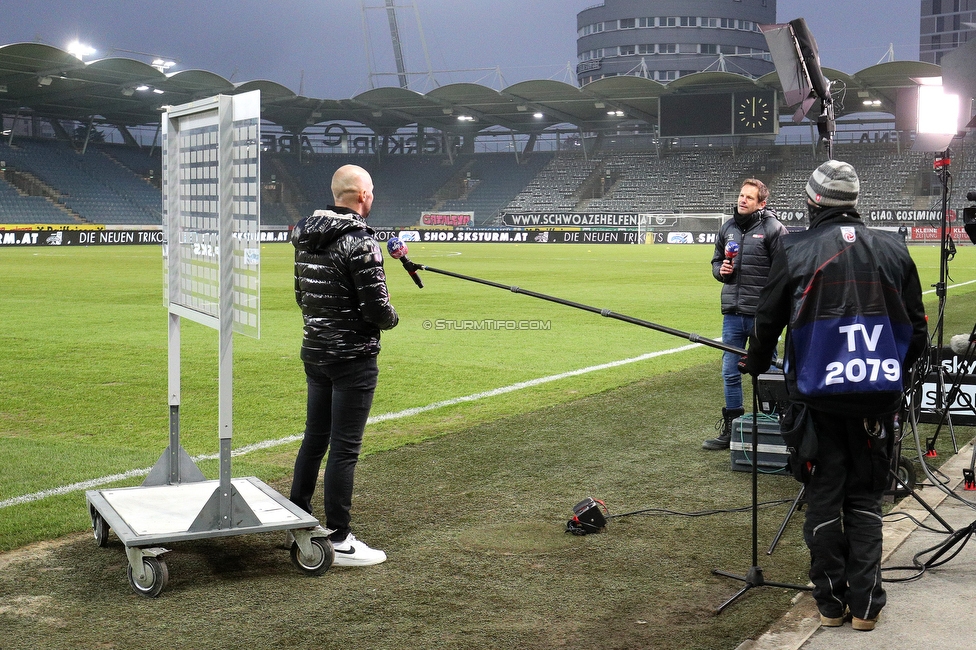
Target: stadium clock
x=754, y=113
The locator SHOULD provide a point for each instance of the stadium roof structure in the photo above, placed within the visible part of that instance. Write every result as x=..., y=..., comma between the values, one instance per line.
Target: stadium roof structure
x=44, y=81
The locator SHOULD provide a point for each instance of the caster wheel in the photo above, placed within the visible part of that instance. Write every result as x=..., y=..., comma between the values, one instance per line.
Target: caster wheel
x=157, y=575
x=906, y=478
x=99, y=529
x=318, y=562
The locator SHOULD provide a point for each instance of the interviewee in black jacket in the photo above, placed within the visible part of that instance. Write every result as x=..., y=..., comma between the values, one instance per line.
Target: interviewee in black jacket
x=341, y=287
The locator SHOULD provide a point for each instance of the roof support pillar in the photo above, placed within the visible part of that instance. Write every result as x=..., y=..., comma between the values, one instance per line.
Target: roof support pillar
x=59, y=131
x=88, y=131
x=515, y=149
x=126, y=135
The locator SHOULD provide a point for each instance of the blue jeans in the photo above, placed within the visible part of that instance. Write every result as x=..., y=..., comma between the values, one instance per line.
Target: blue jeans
x=736, y=329
x=339, y=398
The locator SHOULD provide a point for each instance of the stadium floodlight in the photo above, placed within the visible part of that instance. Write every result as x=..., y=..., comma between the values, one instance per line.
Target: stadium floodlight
x=937, y=117
x=162, y=64
x=80, y=50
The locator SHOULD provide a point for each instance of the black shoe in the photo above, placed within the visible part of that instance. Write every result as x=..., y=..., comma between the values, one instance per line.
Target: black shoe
x=722, y=442
x=724, y=439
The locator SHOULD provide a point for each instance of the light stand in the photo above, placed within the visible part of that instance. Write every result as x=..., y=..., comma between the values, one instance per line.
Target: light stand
x=754, y=578
x=947, y=252
x=937, y=124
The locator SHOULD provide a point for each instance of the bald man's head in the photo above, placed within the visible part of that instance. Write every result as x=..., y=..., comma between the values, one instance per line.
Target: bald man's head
x=352, y=188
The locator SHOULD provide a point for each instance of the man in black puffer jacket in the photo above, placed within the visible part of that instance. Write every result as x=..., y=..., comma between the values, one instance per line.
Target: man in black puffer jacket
x=743, y=250
x=341, y=287
x=851, y=300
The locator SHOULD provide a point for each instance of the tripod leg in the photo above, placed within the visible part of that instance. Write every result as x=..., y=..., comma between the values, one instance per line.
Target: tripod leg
x=733, y=598
x=910, y=490
x=789, y=514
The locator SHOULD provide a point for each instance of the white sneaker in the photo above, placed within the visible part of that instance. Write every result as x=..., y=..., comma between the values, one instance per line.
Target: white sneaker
x=353, y=552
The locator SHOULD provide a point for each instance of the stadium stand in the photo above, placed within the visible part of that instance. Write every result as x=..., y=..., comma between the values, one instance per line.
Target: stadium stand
x=92, y=186
x=487, y=183
x=116, y=184
x=704, y=180
x=19, y=208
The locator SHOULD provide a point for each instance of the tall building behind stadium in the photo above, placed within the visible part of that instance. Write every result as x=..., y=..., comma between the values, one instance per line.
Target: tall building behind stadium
x=668, y=39
x=945, y=25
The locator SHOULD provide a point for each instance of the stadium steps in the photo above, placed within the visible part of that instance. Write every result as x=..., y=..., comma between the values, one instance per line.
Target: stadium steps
x=454, y=189
x=34, y=209
x=40, y=200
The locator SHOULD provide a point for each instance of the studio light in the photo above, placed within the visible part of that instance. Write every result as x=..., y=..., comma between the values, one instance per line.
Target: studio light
x=937, y=117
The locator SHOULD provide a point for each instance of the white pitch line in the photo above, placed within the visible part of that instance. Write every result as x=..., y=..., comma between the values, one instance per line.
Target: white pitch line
x=268, y=444
x=951, y=286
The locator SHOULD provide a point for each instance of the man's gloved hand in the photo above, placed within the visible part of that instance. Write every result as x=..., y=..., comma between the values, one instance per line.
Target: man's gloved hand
x=747, y=366
x=743, y=364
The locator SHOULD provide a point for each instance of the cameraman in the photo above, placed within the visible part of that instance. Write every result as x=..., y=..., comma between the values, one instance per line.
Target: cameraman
x=851, y=301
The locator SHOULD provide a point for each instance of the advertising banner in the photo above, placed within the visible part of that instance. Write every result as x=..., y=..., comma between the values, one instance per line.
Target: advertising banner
x=498, y=236
x=103, y=237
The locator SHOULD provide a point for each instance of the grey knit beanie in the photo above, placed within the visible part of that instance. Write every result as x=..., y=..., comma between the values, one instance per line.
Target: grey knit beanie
x=834, y=184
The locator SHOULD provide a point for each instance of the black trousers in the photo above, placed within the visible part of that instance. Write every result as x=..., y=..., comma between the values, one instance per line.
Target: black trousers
x=339, y=398
x=843, y=527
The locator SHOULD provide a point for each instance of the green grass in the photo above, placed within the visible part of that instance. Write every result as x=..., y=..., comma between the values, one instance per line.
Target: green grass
x=468, y=500
x=84, y=381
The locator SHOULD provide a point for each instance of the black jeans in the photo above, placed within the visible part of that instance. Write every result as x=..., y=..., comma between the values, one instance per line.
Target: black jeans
x=339, y=398
x=843, y=527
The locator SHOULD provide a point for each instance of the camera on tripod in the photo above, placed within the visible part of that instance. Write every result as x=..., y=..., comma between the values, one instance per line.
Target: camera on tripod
x=969, y=217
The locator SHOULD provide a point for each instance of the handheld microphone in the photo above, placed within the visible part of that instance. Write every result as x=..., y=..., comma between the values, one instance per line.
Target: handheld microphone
x=961, y=344
x=731, y=250
x=398, y=251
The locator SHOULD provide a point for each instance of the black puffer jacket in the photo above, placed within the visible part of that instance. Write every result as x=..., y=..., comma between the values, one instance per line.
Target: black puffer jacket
x=340, y=286
x=758, y=235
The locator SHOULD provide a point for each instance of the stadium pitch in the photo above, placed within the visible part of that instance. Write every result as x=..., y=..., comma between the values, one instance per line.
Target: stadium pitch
x=468, y=497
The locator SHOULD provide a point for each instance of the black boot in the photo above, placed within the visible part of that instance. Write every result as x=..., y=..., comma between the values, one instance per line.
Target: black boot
x=725, y=424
